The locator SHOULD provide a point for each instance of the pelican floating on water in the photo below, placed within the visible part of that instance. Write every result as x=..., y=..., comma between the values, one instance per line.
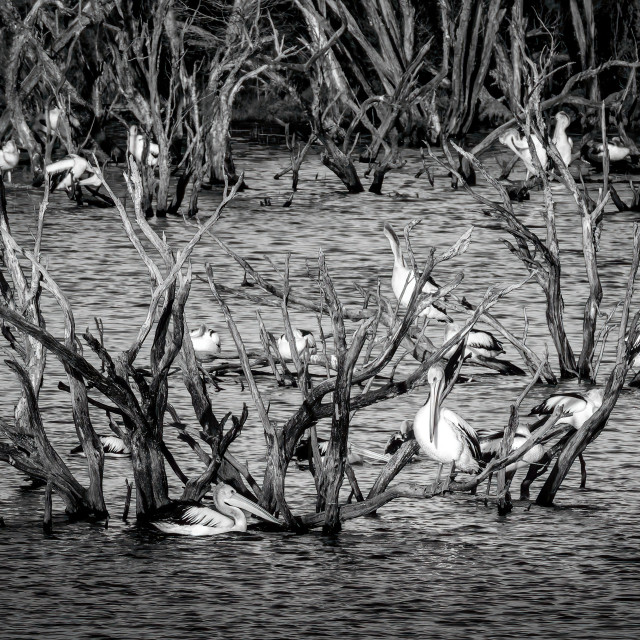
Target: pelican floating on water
x=519, y=145
x=442, y=434
x=9, y=157
x=304, y=340
x=193, y=519
x=136, y=144
x=206, y=342
x=560, y=139
x=403, y=280
x=113, y=447
x=594, y=151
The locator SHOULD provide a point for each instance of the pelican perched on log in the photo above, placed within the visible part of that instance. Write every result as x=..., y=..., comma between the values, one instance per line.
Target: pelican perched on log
x=561, y=140
x=304, y=341
x=206, y=342
x=9, y=157
x=136, y=145
x=193, y=519
x=442, y=434
x=113, y=447
x=519, y=145
x=482, y=348
x=403, y=280
x=66, y=172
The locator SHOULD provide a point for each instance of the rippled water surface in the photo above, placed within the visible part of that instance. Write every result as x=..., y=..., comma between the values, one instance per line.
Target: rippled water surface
x=447, y=567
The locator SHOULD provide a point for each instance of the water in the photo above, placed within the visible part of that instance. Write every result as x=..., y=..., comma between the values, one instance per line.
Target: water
x=446, y=567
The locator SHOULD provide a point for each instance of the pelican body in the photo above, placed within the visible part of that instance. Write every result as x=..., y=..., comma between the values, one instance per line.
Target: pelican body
x=403, y=280
x=9, y=157
x=519, y=145
x=490, y=448
x=193, y=519
x=442, y=434
x=304, y=341
x=355, y=453
x=206, y=342
x=577, y=407
x=479, y=343
x=113, y=447
x=66, y=172
x=136, y=144
x=561, y=140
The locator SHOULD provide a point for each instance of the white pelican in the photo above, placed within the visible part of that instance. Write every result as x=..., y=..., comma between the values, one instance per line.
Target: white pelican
x=355, y=453
x=9, y=156
x=113, y=447
x=519, y=145
x=490, y=447
x=305, y=343
x=404, y=279
x=577, y=407
x=136, y=145
x=442, y=434
x=560, y=139
x=192, y=519
x=69, y=169
x=206, y=342
x=617, y=150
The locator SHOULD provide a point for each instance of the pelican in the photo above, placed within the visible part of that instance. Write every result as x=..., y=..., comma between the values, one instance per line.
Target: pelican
x=404, y=279
x=113, y=447
x=519, y=145
x=136, y=144
x=9, y=156
x=617, y=151
x=442, y=434
x=71, y=169
x=490, y=448
x=560, y=139
x=399, y=437
x=192, y=519
x=355, y=453
x=305, y=343
x=206, y=342
x=577, y=407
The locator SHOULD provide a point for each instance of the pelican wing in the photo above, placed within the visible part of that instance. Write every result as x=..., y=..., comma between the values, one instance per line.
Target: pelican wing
x=203, y=516
x=469, y=435
x=113, y=444
x=484, y=340
x=570, y=402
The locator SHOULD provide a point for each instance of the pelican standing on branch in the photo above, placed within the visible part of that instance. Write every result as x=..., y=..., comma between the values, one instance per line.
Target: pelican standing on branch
x=193, y=519
x=442, y=434
x=403, y=280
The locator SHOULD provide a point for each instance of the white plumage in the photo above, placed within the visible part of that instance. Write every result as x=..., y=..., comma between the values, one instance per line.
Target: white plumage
x=206, y=342
x=479, y=343
x=304, y=341
x=190, y=519
x=9, y=157
x=561, y=140
x=113, y=447
x=577, y=407
x=136, y=144
x=519, y=145
x=442, y=434
x=70, y=169
x=490, y=447
x=617, y=151
x=403, y=280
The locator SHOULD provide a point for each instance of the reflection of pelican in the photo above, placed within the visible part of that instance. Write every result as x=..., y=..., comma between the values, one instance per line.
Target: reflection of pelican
x=9, y=157
x=404, y=279
x=192, y=519
x=304, y=340
x=519, y=145
x=206, y=342
x=113, y=447
x=136, y=144
x=561, y=140
x=442, y=434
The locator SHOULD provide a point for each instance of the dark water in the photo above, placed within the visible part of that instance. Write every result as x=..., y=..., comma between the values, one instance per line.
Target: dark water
x=443, y=568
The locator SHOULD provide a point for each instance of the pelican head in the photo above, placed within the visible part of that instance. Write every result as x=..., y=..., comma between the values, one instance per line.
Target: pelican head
x=508, y=138
x=596, y=396
x=223, y=494
x=10, y=147
x=199, y=332
x=562, y=119
x=435, y=378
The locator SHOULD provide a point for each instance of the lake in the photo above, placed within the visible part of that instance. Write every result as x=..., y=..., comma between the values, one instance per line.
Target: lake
x=448, y=567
